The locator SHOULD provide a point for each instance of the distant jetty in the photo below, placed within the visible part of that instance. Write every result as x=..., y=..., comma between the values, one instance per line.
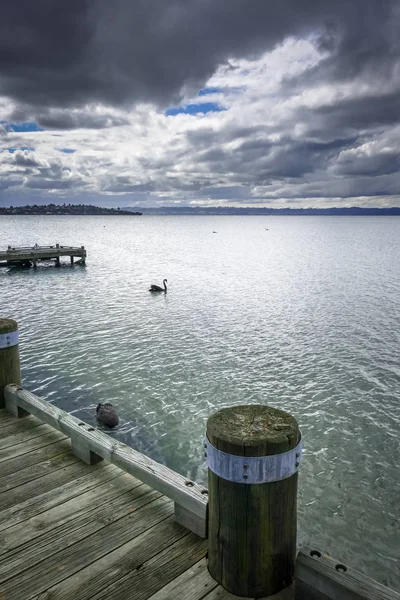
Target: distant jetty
x=32, y=255
x=64, y=209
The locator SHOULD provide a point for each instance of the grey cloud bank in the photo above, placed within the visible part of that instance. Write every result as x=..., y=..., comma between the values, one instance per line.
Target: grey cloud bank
x=310, y=91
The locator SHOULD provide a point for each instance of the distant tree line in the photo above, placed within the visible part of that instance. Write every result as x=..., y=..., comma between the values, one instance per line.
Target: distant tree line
x=64, y=209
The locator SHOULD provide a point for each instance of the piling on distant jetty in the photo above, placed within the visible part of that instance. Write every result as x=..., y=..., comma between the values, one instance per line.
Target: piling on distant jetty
x=10, y=370
x=253, y=454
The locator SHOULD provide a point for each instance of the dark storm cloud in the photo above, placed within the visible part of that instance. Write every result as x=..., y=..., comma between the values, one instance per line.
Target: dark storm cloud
x=9, y=182
x=384, y=163
x=357, y=113
x=295, y=158
x=82, y=119
x=71, y=53
x=260, y=160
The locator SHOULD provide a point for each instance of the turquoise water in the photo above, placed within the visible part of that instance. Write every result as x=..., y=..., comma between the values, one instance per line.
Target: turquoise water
x=298, y=312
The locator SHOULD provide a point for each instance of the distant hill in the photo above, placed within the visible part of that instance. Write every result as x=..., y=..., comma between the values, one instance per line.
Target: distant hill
x=231, y=210
x=65, y=209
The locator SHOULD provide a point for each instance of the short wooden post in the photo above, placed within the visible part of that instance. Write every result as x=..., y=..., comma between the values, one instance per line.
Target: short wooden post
x=253, y=454
x=10, y=370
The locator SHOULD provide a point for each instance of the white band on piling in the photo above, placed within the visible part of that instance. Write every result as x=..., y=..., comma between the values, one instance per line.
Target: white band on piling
x=8, y=339
x=253, y=469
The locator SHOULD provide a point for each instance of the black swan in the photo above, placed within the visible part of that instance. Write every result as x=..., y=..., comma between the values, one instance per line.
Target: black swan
x=157, y=288
x=107, y=415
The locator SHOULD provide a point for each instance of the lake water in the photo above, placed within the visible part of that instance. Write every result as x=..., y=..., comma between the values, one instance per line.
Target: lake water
x=298, y=312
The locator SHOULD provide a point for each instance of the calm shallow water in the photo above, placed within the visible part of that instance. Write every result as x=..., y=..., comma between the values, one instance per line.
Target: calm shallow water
x=304, y=316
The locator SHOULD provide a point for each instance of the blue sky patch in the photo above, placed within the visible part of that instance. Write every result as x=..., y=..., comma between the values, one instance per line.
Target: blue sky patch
x=24, y=127
x=67, y=150
x=209, y=90
x=193, y=109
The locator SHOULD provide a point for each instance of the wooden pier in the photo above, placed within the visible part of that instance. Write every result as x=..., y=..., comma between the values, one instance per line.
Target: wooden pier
x=83, y=516
x=31, y=256
x=71, y=530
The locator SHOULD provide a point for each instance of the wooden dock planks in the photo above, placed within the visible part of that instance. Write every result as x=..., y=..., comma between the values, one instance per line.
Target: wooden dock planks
x=70, y=530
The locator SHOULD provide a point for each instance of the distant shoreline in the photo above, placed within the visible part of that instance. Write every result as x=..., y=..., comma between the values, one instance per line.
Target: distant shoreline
x=230, y=210
x=65, y=209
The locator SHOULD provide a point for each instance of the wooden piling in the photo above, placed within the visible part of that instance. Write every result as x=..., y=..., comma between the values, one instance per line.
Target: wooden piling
x=252, y=525
x=10, y=370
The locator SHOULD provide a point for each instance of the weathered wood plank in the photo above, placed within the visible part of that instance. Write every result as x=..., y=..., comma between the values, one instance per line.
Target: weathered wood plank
x=185, y=493
x=7, y=419
x=220, y=594
x=32, y=552
x=36, y=471
x=193, y=584
x=34, y=506
x=61, y=565
x=305, y=592
x=47, y=483
x=13, y=465
x=158, y=571
x=27, y=447
x=88, y=512
x=23, y=436
x=335, y=580
x=108, y=570
x=18, y=425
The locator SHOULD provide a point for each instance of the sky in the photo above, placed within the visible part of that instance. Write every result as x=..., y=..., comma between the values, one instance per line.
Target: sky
x=292, y=103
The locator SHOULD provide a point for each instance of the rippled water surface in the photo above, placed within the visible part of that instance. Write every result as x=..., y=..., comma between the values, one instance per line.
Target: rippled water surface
x=298, y=312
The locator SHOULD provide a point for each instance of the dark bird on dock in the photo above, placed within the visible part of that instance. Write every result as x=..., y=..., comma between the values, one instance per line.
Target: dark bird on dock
x=107, y=415
x=157, y=288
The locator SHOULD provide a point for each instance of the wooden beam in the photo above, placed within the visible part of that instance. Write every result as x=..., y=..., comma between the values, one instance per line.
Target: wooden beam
x=330, y=579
